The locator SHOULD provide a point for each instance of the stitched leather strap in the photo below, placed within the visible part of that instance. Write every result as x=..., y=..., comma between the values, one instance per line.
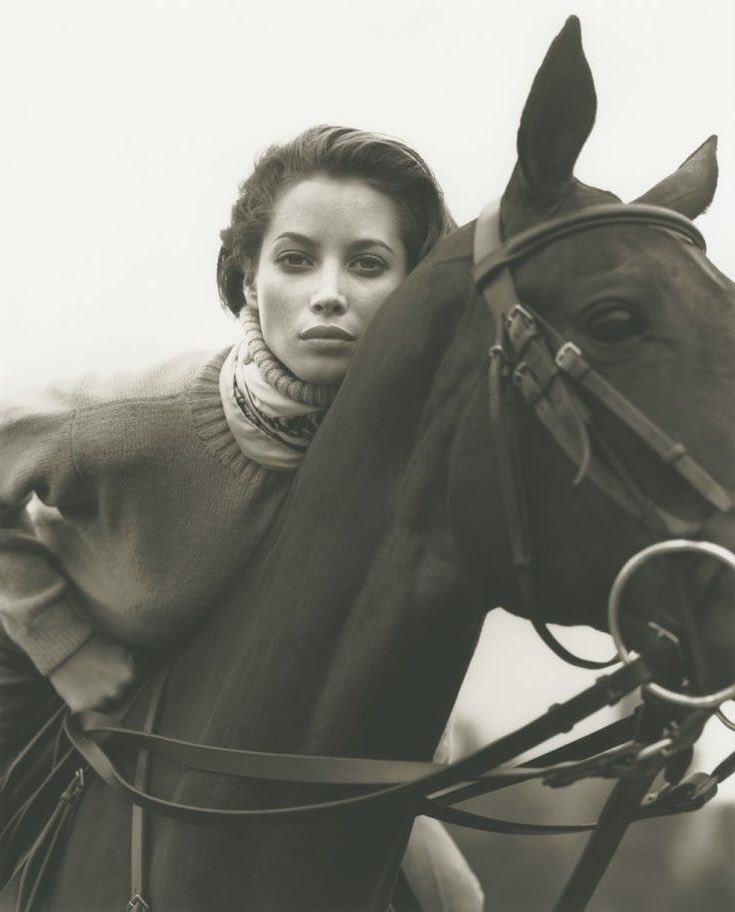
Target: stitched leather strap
x=619, y=811
x=540, y=380
x=610, y=214
x=139, y=895
x=500, y=298
x=571, y=360
x=407, y=790
x=492, y=258
x=259, y=765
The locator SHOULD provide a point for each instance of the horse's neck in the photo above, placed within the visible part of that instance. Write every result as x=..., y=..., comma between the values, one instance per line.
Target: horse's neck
x=356, y=616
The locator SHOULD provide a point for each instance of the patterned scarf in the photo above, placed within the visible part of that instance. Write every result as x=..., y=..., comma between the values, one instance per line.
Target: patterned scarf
x=271, y=412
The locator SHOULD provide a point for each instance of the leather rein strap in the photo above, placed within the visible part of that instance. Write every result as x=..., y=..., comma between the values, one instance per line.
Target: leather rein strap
x=546, y=369
x=422, y=787
x=623, y=748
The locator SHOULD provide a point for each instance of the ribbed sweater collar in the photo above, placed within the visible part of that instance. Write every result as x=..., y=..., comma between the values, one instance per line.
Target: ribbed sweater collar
x=219, y=420
x=208, y=415
x=275, y=372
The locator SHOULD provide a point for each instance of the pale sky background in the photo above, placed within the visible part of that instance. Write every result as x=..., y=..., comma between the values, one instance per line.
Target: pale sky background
x=127, y=125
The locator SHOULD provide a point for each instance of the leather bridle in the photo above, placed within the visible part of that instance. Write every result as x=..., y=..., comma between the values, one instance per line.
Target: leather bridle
x=635, y=749
x=528, y=353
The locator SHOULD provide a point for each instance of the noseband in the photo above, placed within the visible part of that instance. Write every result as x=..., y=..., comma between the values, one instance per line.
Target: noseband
x=547, y=370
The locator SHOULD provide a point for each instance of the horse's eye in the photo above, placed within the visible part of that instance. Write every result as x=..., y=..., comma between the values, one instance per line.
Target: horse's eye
x=614, y=322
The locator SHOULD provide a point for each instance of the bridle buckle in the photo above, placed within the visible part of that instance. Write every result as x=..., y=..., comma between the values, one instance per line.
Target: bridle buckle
x=570, y=360
x=519, y=312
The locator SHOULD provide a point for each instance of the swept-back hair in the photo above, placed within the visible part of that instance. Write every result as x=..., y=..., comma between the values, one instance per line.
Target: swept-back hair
x=384, y=163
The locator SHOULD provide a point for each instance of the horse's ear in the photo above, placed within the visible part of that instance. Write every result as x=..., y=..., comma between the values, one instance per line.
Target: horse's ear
x=690, y=189
x=556, y=121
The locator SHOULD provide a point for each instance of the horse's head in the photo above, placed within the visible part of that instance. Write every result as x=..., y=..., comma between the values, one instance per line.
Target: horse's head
x=654, y=319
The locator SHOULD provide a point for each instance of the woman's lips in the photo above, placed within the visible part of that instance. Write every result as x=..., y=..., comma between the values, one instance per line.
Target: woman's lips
x=326, y=331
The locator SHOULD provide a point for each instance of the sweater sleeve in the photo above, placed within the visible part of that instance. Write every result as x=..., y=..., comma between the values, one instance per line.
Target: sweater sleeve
x=38, y=607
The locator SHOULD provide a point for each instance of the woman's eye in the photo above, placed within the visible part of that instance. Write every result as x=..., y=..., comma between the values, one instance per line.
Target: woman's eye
x=368, y=265
x=615, y=323
x=293, y=260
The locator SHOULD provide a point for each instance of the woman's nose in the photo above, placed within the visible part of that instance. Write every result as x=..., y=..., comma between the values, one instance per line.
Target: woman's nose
x=328, y=299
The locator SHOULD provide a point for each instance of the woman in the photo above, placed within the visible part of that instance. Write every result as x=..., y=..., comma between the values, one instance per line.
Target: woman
x=153, y=490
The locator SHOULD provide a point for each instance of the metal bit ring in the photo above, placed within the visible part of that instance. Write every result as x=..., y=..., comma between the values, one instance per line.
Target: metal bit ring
x=673, y=546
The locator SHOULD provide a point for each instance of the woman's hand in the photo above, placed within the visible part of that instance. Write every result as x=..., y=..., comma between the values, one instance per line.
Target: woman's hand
x=100, y=672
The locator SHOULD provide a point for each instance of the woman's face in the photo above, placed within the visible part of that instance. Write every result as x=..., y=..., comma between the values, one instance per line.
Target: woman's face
x=332, y=254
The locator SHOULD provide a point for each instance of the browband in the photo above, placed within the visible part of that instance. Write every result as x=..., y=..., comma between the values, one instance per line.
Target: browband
x=525, y=243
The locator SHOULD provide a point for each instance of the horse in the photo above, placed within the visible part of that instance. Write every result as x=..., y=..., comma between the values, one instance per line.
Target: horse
x=350, y=631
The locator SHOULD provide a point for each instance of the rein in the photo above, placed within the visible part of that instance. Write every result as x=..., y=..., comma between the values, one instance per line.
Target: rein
x=632, y=750
x=635, y=748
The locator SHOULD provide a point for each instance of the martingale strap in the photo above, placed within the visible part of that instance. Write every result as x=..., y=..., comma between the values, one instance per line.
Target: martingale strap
x=138, y=821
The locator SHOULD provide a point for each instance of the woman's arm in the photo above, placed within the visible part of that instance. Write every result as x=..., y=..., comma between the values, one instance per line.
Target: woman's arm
x=37, y=603
x=39, y=607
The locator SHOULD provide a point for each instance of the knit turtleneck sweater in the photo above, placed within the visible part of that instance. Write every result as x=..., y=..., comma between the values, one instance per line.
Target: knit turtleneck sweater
x=146, y=506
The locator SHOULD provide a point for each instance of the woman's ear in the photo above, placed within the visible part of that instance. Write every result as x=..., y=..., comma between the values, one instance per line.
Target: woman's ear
x=250, y=294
